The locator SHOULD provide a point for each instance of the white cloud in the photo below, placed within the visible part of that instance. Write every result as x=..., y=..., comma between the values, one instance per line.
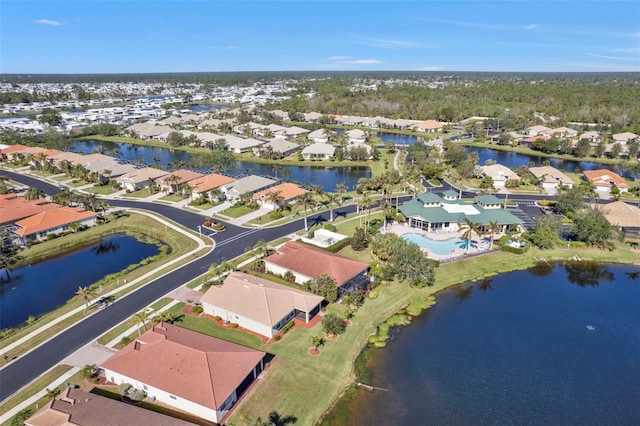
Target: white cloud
x=431, y=68
x=48, y=22
x=391, y=43
x=346, y=60
x=531, y=26
x=617, y=58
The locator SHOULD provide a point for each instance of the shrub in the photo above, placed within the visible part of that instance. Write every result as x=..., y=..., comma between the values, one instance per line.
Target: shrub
x=234, y=325
x=333, y=324
x=137, y=395
x=373, y=294
x=197, y=309
x=277, y=337
x=125, y=340
x=359, y=241
x=275, y=215
x=287, y=327
x=336, y=247
x=330, y=227
x=124, y=387
x=516, y=250
x=218, y=318
x=289, y=276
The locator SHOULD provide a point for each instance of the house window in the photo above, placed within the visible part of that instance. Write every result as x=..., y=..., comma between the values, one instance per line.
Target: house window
x=173, y=397
x=144, y=387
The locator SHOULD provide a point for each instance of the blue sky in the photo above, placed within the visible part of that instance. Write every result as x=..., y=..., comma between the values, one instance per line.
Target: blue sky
x=118, y=36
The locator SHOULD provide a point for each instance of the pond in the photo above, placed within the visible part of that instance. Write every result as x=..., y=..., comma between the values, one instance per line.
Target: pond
x=513, y=159
x=36, y=289
x=558, y=344
x=328, y=177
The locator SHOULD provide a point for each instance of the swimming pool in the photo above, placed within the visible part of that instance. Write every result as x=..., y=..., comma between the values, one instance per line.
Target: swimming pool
x=442, y=247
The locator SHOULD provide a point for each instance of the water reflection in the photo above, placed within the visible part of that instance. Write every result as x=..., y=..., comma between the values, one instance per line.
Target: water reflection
x=106, y=247
x=587, y=274
x=485, y=285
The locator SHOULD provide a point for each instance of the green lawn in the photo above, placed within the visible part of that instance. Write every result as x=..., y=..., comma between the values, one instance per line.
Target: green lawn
x=173, y=198
x=140, y=193
x=62, y=178
x=42, y=173
x=77, y=183
x=102, y=190
x=202, y=207
x=236, y=211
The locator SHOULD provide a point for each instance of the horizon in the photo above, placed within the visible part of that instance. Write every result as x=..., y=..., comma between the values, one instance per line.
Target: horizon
x=141, y=37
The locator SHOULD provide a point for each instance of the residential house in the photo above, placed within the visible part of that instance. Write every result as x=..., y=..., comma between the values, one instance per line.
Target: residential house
x=282, y=115
x=538, y=130
x=11, y=153
x=287, y=191
x=428, y=126
x=75, y=407
x=605, y=180
x=70, y=157
x=139, y=178
x=148, y=130
x=564, y=132
x=528, y=142
x=318, y=151
x=623, y=138
x=294, y=132
x=355, y=136
x=259, y=305
x=500, y=175
x=306, y=262
x=190, y=371
x=276, y=148
x=14, y=208
x=624, y=215
x=170, y=182
x=431, y=212
x=591, y=136
x=239, y=145
x=109, y=169
x=202, y=185
x=53, y=221
x=551, y=178
x=250, y=184
x=319, y=136
x=311, y=117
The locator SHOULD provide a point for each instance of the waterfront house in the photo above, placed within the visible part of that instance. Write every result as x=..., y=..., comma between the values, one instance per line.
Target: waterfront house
x=605, y=180
x=592, y=136
x=306, y=262
x=75, y=407
x=563, y=132
x=355, y=136
x=190, y=371
x=500, y=175
x=139, y=178
x=428, y=126
x=259, y=305
x=319, y=136
x=170, y=182
x=54, y=221
x=14, y=208
x=277, y=148
x=431, y=212
x=625, y=216
x=202, y=185
x=250, y=184
x=287, y=192
x=538, y=130
x=623, y=138
x=551, y=178
x=318, y=151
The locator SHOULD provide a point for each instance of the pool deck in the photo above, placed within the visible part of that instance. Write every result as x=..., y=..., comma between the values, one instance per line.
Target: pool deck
x=481, y=244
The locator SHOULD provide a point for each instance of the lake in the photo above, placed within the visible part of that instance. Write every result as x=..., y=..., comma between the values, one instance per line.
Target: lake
x=513, y=159
x=42, y=287
x=553, y=345
x=399, y=139
x=328, y=177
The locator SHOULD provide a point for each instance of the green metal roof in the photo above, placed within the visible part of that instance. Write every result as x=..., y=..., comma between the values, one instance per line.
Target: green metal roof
x=451, y=193
x=488, y=199
x=430, y=197
x=413, y=208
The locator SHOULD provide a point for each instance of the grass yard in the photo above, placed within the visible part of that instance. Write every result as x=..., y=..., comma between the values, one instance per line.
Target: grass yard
x=62, y=178
x=102, y=190
x=173, y=198
x=77, y=183
x=236, y=211
x=140, y=193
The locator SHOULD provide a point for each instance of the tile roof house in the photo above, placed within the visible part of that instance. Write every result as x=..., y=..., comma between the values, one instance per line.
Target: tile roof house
x=318, y=151
x=500, y=174
x=624, y=215
x=75, y=407
x=259, y=305
x=279, y=148
x=250, y=184
x=14, y=208
x=625, y=137
x=139, y=178
x=605, y=180
x=287, y=190
x=538, y=130
x=193, y=372
x=356, y=136
x=171, y=181
x=319, y=136
x=11, y=153
x=307, y=262
x=428, y=126
x=592, y=136
x=206, y=183
x=53, y=221
x=431, y=212
x=550, y=177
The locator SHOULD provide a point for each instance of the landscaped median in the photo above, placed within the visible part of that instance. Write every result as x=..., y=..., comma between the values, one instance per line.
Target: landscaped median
x=139, y=225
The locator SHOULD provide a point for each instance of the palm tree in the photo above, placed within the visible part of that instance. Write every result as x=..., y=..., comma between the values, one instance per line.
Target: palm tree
x=367, y=203
x=215, y=193
x=34, y=193
x=141, y=317
x=85, y=293
x=468, y=229
x=315, y=342
x=276, y=168
x=341, y=189
x=493, y=228
x=286, y=171
x=331, y=199
x=305, y=200
x=276, y=198
x=318, y=191
x=52, y=393
x=387, y=212
x=164, y=316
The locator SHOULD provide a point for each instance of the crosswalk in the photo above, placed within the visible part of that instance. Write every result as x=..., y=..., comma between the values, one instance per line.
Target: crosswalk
x=526, y=203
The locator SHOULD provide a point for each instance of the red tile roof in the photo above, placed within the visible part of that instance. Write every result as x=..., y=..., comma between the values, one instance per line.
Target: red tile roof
x=13, y=148
x=313, y=262
x=604, y=177
x=13, y=208
x=185, y=363
x=210, y=181
x=288, y=191
x=52, y=219
x=75, y=407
